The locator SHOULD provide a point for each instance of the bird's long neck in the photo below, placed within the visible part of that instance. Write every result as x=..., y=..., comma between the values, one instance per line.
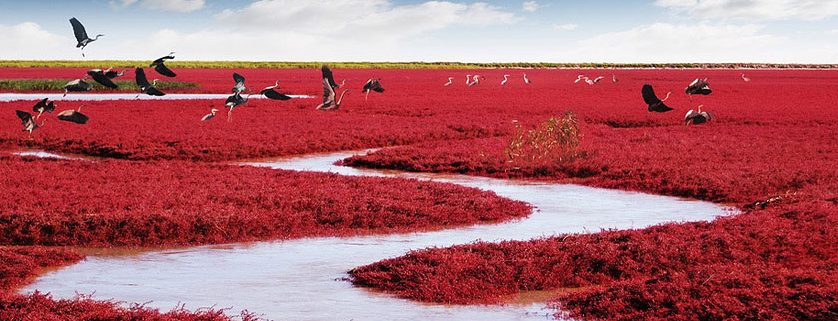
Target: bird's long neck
x=97, y=37
x=340, y=99
x=667, y=96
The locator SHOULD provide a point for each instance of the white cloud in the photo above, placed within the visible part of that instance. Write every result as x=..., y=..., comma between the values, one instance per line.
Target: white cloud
x=755, y=9
x=28, y=40
x=530, y=6
x=662, y=42
x=565, y=27
x=163, y=5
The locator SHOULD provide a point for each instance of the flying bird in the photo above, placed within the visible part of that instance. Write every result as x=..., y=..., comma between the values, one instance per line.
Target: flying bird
x=99, y=76
x=697, y=117
x=271, y=92
x=329, y=85
x=505, y=79
x=526, y=80
x=234, y=101
x=655, y=104
x=209, y=116
x=76, y=85
x=81, y=35
x=161, y=68
x=746, y=79
x=43, y=106
x=73, y=116
x=239, y=86
x=113, y=73
x=698, y=87
x=145, y=86
x=374, y=84
x=450, y=81
x=27, y=121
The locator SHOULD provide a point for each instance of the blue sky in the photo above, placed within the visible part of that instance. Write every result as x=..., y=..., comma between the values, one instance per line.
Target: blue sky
x=802, y=31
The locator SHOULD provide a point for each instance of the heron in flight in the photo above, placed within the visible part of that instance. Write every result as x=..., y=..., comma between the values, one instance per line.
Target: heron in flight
x=698, y=87
x=271, y=92
x=526, y=80
x=100, y=77
x=655, y=103
x=73, y=116
x=239, y=86
x=77, y=85
x=697, y=117
x=113, y=73
x=43, y=106
x=161, y=68
x=146, y=87
x=28, y=121
x=81, y=35
x=209, y=116
x=505, y=79
x=373, y=84
x=329, y=86
x=450, y=81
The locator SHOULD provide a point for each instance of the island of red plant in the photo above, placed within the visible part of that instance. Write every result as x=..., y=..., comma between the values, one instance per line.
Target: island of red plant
x=770, y=151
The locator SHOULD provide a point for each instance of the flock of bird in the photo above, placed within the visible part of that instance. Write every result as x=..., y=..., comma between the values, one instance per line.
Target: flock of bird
x=331, y=101
x=106, y=78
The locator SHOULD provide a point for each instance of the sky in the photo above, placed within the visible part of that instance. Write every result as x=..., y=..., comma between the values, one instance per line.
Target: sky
x=573, y=31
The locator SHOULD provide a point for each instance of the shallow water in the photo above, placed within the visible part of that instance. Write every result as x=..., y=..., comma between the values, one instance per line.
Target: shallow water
x=303, y=279
x=7, y=97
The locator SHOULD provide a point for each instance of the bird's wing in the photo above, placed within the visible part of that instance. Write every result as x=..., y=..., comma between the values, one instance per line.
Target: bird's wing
x=163, y=70
x=102, y=79
x=239, y=79
x=368, y=86
x=328, y=92
x=41, y=105
x=273, y=94
x=649, y=95
x=690, y=114
x=142, y=81
x=24, y=116
x=327, y=74
x=377, y=87
x=78, y=29
x=162, y=59
x=50, y=107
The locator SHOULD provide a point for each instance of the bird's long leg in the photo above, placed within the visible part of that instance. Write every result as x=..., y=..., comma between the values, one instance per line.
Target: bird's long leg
x=366, y=96
x=65, y=92
x=39, y=114
x=230, y=115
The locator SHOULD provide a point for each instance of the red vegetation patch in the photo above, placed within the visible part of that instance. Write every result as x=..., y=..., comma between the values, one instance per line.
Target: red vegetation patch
x=115, y=203
x=22, y=263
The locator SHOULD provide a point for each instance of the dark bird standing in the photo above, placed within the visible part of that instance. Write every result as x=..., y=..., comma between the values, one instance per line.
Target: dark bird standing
x=329, y=86
x=81, y=35
x=373, y=84
x=234, y=101
x=161, y=68
x=145, y=86
x=655, y=103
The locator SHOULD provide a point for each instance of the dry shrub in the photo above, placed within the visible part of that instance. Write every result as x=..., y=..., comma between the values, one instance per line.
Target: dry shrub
x=556, y=140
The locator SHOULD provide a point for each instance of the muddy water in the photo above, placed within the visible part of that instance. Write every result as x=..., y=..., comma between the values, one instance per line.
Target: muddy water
x=303, y=279
x=6, y=97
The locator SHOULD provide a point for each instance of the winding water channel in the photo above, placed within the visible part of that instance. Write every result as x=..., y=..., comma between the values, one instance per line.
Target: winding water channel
x=303, y=279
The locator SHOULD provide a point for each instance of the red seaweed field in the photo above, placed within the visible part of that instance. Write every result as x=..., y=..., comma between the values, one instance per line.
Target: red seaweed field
x=159, y=176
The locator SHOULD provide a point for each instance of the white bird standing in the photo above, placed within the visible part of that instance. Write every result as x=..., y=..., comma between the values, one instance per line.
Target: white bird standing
x=210, y=115
x=505, y=79
x=450, y=81
x=614, y=78
x=746, y=79
x=468, y=79
x=526, y=80
x=475, y=81
x=594, y=81
x=580, y=78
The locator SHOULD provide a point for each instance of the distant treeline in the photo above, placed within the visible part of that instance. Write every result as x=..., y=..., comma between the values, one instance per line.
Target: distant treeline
x=390, y=65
